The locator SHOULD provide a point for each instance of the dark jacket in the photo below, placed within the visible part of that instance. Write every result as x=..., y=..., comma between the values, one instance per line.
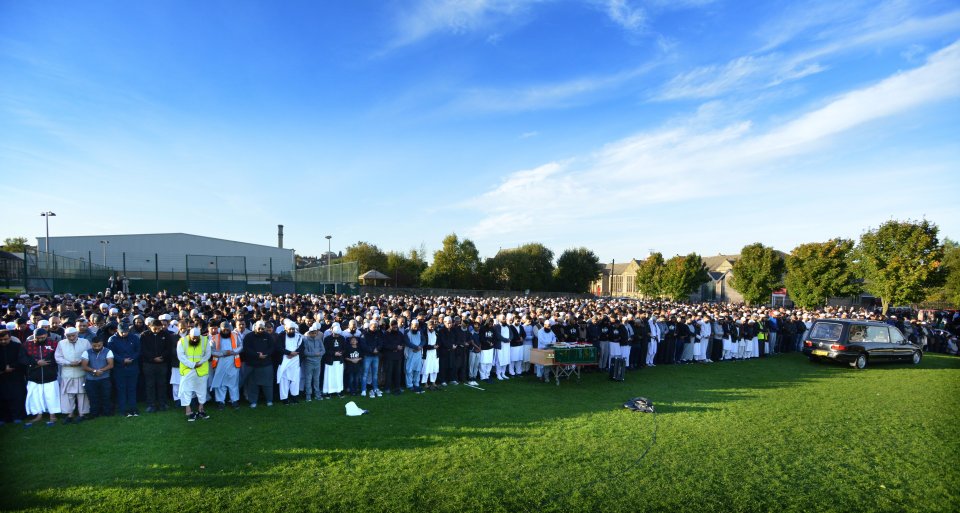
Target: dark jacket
x=446, y=339
x=254, y=343
x=393, y=342
x=334, y=344
x=124, y=348
x=153, y=345
x=371, y=344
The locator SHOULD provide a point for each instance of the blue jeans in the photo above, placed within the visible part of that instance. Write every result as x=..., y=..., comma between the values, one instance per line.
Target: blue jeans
x=412, y=368
x=126, y=391
x=371, y=371
x=98, y=391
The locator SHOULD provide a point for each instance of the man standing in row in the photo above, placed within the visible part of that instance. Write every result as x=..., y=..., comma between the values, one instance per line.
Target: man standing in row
x=225, y=350
x=193, y=352
x=156, y=346
x=126, y=351
x=258, y=356
x=73, y=394
x=288, y=374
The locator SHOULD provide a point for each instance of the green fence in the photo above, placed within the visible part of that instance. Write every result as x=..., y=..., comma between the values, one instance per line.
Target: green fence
x=48, y=273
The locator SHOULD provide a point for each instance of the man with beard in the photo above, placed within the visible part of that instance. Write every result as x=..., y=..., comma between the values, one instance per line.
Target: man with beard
x=393, y=343
x=43, y=396
x=488, y=340
x=288, y=374
x=193, y=353
x=431, y=358
x=470, y=340
x=413, y=352
x=371, y=345
x=334, y=349
x=312, y=361
x=156, y=346
x=126, y=352
x=225, y=348
x=12, y=391
x=447, y=340
x=258, y=355
x=73, y=394
x=546, y=338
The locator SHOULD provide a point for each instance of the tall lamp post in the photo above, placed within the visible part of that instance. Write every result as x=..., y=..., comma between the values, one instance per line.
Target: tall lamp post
x=329, y=262
x=46, y=242
x=104, y=244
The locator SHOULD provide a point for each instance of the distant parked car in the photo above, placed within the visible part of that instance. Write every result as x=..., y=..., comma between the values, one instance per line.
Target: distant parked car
x=858, y=343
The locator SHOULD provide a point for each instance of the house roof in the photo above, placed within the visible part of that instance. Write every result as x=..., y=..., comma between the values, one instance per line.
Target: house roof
x=715, y=262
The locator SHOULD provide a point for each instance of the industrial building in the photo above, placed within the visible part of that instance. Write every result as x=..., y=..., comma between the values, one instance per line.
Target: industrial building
x=174, y=255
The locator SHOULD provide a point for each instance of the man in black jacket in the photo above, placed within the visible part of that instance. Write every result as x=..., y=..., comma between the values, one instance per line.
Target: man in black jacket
x=393, y=343
x=258, y=349
x=156, y=346
x=447, y=342
x=12, y=391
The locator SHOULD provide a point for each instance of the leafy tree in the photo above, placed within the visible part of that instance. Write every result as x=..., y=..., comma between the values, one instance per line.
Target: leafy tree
x=576, y=270
x=528, y=267
x=367, y=256
x=14, y=244
x=817, y=271
x=649, y=278
x=682, y=276
x=951, y=269
x=405, y=268
x=757, y=273
x=455, y=266
x=900, y=261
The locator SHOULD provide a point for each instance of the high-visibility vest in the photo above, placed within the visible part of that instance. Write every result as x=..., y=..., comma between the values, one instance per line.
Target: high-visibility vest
x=233, y=345
x=194, y=354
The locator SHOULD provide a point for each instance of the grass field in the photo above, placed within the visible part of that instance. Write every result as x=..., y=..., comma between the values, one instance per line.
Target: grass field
x=773, y=435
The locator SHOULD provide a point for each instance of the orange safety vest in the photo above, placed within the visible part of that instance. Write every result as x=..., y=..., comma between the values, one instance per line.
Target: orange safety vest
x=233, y=345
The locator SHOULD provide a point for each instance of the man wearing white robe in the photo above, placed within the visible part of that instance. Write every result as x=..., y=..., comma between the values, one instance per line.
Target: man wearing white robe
x=226, y=346
x=69, y=355
x=655, y=336
x=288, y=375
x=545, y=339
x=193, y=352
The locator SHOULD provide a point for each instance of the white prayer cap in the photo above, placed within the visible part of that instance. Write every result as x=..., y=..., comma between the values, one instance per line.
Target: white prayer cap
x=337, y=326
x=11, y=325
x=547, y=322
x=43, y=324
x=71, y=331
x=195, y=332
x=259, y=324
x=174, y=323
x=287, y=323
x=165, y=317
x=353, y=410
x=113, y=311
x=148, y=320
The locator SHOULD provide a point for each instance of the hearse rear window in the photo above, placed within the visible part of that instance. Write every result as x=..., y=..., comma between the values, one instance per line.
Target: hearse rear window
x=826, y=331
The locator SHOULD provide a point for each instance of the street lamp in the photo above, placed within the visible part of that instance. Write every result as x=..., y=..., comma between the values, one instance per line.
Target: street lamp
x=104, y=244
x=328, y=237
x=46, y=242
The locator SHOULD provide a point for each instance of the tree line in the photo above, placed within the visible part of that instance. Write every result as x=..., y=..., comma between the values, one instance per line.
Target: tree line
x=901, y=262
x=458, y=265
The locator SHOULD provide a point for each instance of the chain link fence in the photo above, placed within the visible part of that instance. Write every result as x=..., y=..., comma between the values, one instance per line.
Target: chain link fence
x=48, y=273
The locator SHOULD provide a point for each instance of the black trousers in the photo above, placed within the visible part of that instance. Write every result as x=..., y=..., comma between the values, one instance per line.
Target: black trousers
x=459, y=371
x=13, y=398
x=156, y=378
x=392, y=374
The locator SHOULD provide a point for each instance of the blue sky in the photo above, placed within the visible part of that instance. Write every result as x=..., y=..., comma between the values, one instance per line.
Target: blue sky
x=619, y=125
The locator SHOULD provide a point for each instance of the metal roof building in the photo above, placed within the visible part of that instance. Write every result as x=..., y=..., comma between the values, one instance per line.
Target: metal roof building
x=173, y=254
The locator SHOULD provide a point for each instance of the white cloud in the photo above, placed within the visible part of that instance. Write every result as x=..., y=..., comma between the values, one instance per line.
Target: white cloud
x=625, y=15
x=527, y=135
x=682, y=163
x=429, y=17
x=760, y=71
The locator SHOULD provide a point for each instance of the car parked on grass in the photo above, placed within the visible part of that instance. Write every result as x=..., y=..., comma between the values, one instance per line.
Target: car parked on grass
x=858, y=343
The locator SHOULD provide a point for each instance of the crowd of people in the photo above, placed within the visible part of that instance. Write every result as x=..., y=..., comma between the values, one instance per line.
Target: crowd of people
x=95, y=355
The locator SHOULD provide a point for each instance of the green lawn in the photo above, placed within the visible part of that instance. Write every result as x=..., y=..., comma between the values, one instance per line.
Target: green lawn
x=772, y=435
